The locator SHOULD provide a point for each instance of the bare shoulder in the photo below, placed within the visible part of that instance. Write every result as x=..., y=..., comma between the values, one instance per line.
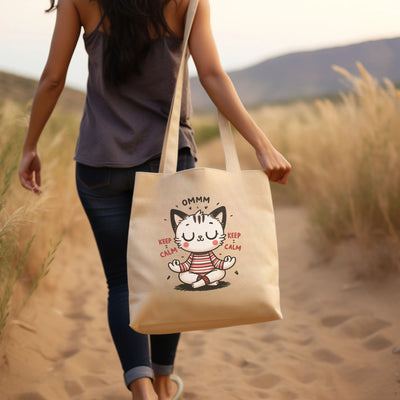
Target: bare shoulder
x=177, y=8
x=174, y=13
x=181, y=5
x=89, y=13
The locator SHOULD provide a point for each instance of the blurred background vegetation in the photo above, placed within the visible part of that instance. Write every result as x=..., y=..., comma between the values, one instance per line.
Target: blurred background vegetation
x=344, y=151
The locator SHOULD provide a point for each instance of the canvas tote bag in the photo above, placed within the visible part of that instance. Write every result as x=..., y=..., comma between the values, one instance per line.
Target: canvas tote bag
x=202, y=250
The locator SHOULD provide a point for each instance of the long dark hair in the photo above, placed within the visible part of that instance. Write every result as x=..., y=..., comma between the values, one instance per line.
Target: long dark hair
x=132, y=25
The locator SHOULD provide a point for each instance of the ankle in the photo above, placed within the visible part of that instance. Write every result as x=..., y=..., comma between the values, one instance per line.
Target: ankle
x=164, y=387
x=142, y=389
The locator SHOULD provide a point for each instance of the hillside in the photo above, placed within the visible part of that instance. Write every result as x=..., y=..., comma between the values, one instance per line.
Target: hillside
x=282, y=79
x=308, y=74
x=20, y=90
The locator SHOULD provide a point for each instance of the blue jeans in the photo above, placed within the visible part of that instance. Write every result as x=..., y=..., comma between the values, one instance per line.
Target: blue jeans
x=106, y=196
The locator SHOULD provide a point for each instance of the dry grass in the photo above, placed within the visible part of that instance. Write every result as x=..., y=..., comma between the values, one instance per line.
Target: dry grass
x=346, y=171
x=31, y=226
x=345, y=158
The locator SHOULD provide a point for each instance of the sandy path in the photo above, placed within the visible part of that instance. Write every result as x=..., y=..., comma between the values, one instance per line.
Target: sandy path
x=336, y=341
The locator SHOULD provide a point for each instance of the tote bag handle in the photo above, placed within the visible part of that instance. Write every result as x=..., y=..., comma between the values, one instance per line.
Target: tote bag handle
x=169, y=155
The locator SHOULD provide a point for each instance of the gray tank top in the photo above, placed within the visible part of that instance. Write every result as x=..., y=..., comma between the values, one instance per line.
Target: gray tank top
x=125, y=126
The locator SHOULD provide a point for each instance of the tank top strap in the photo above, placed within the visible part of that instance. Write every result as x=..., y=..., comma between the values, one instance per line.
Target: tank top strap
x=101, y=21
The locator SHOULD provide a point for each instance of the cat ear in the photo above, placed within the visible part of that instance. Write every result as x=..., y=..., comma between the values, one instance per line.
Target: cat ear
x=176, y=218
x=220, y=215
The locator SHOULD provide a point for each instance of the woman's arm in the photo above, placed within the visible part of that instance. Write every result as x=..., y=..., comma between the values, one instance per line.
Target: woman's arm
x=51, y=84
x=222, y=92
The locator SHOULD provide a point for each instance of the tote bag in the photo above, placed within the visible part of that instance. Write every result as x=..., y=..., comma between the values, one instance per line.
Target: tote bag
x=202, y=250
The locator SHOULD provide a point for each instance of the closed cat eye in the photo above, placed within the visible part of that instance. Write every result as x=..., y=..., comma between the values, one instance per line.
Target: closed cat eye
x=188, y=240
x=212, y=238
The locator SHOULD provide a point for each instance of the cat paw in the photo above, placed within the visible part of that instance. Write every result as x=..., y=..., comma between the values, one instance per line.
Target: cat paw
x=198, y=284
x=229, y=262
x=175, y=266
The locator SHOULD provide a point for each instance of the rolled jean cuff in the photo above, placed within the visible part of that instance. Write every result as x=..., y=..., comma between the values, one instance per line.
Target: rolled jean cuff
x=162, y=369
x=136, y=373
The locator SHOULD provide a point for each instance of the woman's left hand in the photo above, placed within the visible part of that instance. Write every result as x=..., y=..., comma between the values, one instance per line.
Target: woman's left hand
x=29, y=171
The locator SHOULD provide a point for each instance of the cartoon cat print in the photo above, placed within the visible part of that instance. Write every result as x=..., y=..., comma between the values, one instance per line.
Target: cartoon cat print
x=200, y=234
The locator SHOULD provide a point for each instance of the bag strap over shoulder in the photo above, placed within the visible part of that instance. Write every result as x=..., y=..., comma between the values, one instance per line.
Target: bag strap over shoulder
x=169, y=155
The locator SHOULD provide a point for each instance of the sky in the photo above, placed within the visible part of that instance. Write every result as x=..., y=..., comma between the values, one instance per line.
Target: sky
x=246, y=32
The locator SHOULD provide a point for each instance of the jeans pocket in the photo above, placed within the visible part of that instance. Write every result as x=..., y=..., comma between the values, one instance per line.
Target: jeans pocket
x=185, y=160
x=152, y=165
x=93, y=177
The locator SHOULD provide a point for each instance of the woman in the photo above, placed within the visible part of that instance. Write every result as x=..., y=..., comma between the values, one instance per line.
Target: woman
x=134, y=51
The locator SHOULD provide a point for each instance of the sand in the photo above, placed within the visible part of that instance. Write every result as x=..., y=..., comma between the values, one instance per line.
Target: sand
x=339, y=338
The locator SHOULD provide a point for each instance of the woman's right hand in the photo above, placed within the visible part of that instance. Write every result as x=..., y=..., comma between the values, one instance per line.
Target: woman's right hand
x=222, y=92
x=29, y=171
x=274, y=164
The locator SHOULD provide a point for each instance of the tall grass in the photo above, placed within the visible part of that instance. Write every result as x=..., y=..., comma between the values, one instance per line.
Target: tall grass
x=346, y=166
x=345, y=157
x=31, y=226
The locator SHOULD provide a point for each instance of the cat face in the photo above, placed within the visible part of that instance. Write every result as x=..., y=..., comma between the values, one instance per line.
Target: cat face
x=199, y=232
